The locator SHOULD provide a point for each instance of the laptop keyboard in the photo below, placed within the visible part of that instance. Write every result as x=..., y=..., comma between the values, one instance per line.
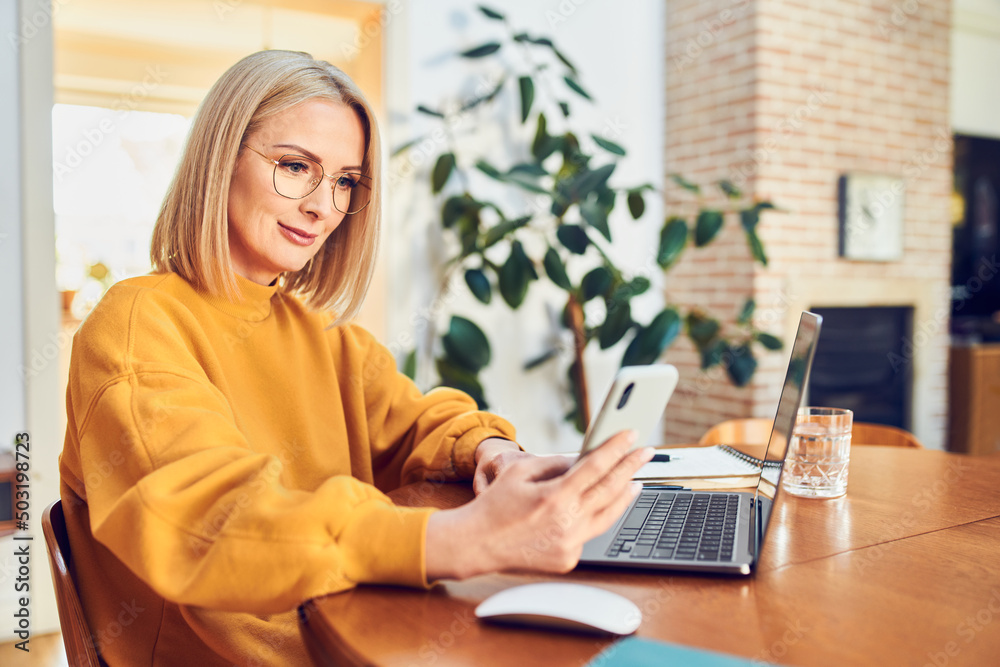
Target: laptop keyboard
x=679, y=526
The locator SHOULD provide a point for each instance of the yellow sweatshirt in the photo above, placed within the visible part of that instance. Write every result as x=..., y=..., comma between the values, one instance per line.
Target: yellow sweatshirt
x=225, y=461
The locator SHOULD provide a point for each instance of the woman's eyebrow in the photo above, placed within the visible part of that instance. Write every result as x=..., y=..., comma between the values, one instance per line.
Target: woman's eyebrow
x=310, y=154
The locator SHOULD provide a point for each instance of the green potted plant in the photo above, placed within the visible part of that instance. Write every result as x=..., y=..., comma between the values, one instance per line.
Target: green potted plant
x=570, y=173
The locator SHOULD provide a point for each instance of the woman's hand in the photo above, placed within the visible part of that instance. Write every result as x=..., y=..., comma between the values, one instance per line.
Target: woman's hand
x=537, y=515
x=493, y=455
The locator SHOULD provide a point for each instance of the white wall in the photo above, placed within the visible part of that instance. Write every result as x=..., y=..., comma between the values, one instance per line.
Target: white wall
x=620, y=58
x=29, y=306
x=975, y=52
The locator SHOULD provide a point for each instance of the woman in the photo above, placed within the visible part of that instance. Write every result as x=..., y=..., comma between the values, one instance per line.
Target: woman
x=230, y=441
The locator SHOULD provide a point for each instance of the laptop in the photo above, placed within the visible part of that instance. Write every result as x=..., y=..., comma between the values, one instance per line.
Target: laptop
x=666, y=528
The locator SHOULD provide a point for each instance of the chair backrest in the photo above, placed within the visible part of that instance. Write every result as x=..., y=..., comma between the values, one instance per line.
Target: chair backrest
x=756, y=431
x=76, y=635
x=748, y=431
x=864, y=433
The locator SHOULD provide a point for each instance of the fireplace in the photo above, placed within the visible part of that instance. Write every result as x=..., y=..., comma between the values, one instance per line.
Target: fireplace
x=863, y=363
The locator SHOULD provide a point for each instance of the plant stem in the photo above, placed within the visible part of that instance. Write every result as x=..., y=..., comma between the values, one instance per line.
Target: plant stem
x=575, y=310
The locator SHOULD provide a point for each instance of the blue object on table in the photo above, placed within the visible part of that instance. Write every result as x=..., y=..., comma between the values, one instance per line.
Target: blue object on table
x=639, y=652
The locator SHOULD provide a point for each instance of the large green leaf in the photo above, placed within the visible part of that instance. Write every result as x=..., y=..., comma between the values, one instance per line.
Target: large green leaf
x=466, y=344
x=410, y=364
x=638, y=285
x=515, y=275
x=713, y=353
x=701, y=329
x=590, y=180
x=565, y=61
x=476, y=101
x=430, y=112
x=482, y=50
x=756, y=247
x=502, y=229
x=742, y=365
x=707, y=226
x=746, y=313
x=453, y=209
x=555, y=269
x=525, y=182
x=456, y=377
x=636, y=204
x=769, y=341
x=673, y=238
x=749, y=217
x=528, y=168
x=596, y=216
x=616, y=324
x=684, y=183
x=543, y=144
x=489, y=169
x=479, y=285
x=608, y=145
x=491, y=13
x=731, y=190
x=597, y=281
x=442, y=170
x=576, y=87
x=650, y=342
x=527, y=87
x=574, y=238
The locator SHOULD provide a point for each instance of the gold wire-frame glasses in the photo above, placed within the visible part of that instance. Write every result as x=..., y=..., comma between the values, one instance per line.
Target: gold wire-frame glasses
x=297, y=177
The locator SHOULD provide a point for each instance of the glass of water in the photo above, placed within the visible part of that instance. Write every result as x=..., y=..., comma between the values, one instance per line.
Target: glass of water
x=819, y=453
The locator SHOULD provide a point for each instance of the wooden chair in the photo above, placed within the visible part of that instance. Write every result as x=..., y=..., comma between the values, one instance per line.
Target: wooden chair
x=76, y=635
x=748, y=431
x=865, y=433
x=756, y=431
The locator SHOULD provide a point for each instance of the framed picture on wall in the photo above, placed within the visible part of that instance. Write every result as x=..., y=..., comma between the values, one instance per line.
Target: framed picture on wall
x=871, y=217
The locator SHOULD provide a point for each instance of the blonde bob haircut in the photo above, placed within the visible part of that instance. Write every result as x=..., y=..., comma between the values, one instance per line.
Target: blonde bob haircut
x=191, y=236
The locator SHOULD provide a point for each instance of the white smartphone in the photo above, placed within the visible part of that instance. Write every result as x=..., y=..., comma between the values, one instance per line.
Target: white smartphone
x=636, y=400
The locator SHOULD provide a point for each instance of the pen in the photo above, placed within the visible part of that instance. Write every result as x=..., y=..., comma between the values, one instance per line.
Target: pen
x=661, y=458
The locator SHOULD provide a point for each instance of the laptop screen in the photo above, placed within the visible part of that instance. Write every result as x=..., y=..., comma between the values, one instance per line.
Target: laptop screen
x=796, y=380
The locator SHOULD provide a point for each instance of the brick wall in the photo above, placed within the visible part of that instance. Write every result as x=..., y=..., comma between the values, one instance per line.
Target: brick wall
x=783, y=97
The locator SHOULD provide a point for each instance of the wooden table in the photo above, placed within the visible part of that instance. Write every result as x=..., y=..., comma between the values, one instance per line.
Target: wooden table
x=903, y=570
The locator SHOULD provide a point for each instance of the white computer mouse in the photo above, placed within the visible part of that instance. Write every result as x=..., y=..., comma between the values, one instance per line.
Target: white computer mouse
x=565, y=606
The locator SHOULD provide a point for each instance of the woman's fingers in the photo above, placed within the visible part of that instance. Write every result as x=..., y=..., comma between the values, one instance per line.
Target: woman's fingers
x=605, y=517
x=594, y=466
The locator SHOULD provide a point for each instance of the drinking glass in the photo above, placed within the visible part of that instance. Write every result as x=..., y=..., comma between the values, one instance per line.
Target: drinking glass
x=819, y=453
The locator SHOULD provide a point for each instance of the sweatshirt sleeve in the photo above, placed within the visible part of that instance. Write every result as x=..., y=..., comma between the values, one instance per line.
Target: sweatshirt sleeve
x=415, y=435
x=175, y=492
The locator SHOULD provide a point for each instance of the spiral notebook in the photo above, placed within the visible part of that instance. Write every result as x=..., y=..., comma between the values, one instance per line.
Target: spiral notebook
x=710, y=462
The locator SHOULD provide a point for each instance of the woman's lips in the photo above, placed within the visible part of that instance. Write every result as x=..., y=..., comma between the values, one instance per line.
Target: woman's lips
x=297, y=236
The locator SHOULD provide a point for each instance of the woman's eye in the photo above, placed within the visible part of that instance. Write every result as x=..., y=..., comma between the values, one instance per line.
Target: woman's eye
x=346, y=182
x=295, y=168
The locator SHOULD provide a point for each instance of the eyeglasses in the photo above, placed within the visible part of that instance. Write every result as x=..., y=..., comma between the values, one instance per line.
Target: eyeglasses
x=297, y=177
